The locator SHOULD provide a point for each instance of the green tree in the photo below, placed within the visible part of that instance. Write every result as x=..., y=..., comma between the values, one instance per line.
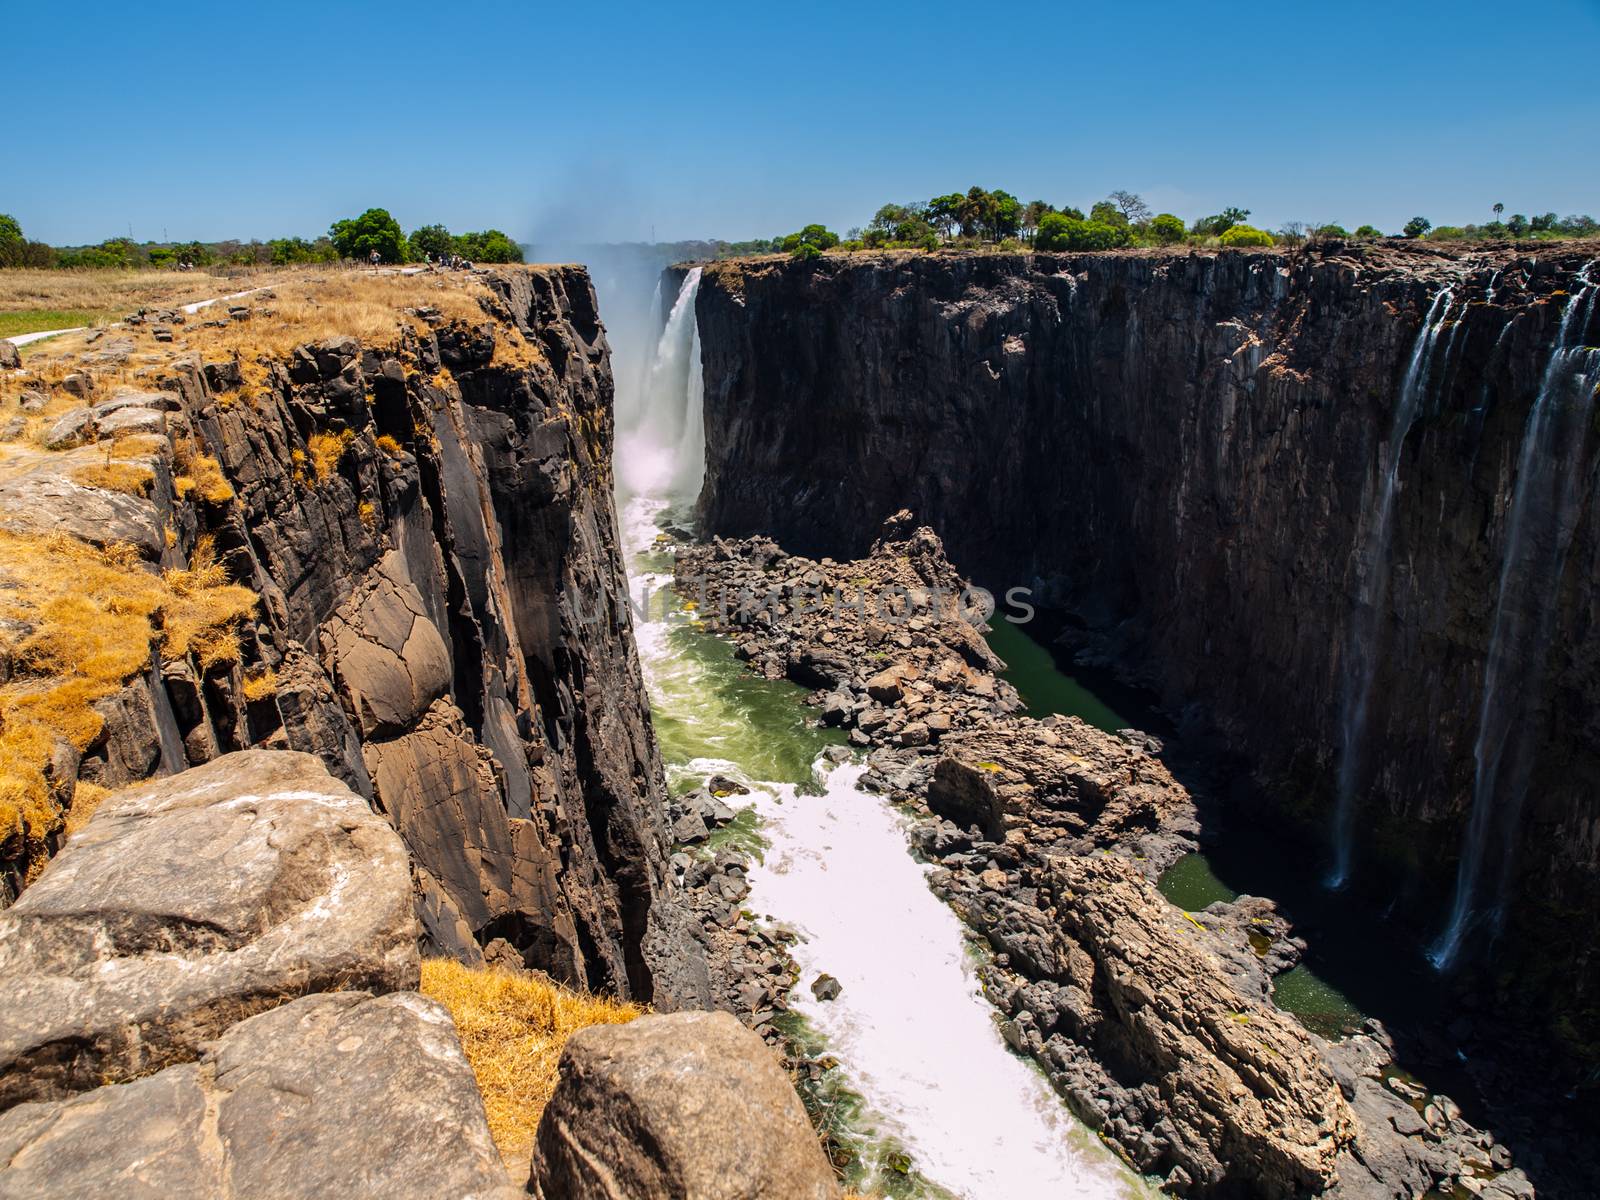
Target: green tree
x=1107, y=213
x=1518, y=225
x=944, y=214
x=1220, y=224
x=1005, y=215
x=1245, y=235
x=432, y=241
x=373, y=230
x=284, y=251
x=1167, y=228
x=1368, y=231
x=11, y=241
x=1542, y=223
x=1332, y=230
x=1498, y=209
x=1417, y=227
x=810, y=242
x=490, y=246
x=1057, y=231
x=1031, y=212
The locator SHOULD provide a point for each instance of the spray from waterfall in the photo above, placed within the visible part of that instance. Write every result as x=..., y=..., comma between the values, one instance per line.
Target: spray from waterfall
x=661, y=422
x=1545, y=503
x=1361, y=651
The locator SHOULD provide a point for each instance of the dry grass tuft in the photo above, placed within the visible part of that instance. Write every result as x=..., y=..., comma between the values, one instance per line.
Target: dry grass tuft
x=512, y=1028
x=86, y=797
x=260, y=684
x=77, y=623
x=390, y=446
x=116, y=477
x=199, y=474
x=326, y=451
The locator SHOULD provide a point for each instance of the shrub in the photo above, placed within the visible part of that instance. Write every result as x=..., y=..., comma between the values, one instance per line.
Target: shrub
x=1245, y=235
x=1417, y=227
x=1057, y=231
x=1167, y=229
x=1368, y=231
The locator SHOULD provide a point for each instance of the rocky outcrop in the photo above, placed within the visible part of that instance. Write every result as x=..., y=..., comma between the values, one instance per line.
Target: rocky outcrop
x=1046, y=838
x=1183, y=451
x=188, y=1004
x=687, y=1105
x=428, y=522
x=187, y=905
x=339, y=1094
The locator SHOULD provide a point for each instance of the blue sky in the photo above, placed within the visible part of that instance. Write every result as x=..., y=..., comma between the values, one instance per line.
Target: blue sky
x=736, y=120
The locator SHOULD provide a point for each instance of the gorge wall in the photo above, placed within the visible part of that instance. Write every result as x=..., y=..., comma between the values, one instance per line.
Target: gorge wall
x=1186, y=453
x=426, y=517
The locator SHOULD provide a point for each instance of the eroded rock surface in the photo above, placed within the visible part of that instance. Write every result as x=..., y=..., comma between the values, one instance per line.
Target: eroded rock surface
x=668, y=1107
x=189, y=904
x=332, y=1095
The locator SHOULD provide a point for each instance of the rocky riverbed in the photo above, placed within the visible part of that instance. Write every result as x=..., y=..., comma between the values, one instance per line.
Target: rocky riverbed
x=1047, y=836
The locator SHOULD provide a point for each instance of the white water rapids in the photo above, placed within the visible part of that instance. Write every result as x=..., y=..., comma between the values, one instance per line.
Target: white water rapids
x=914, y=1036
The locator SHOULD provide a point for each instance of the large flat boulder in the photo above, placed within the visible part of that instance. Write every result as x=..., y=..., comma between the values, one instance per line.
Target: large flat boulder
x=333, y=1095
x=690, y=1106
x=189, y=904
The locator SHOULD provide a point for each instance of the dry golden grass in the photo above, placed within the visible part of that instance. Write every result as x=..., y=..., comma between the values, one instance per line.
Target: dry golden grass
x=260, y=684
x=199, y=474
x=512, y=1028
x=116, y=477
x=390, y=446
x=326, y=451
x=94, y=296
x=86, y=797
x=86, y=620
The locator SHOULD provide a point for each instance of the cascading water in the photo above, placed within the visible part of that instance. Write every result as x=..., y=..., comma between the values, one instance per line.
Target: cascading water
x=1539, y=527
x=661, y=436
x=915, y=1037
x=1361, y=651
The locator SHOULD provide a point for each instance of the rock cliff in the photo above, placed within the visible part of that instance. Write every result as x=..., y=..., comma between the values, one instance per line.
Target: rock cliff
x=424, y=513
x=1184, y=452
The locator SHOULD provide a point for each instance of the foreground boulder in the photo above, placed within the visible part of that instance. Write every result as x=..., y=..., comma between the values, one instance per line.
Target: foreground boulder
x=333, y=1095
x=188, y=905
x=690, y=1106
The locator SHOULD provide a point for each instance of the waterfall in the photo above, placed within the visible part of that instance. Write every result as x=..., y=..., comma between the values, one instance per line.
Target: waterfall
x=913, y=1033
x=660, y=422
x=1361, y=651
x=1539, y=525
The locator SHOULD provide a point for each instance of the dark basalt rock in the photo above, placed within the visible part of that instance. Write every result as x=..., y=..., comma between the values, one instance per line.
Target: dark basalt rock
x=1181, y=450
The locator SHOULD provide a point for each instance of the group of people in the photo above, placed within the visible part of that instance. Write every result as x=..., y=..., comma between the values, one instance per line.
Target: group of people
x=445, y=262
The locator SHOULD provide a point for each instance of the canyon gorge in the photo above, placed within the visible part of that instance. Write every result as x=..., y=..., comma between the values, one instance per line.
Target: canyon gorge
x=566, y=638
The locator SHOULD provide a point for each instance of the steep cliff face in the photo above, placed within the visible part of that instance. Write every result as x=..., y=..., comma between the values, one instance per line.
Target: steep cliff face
x=1186, y=452
x=427, y=519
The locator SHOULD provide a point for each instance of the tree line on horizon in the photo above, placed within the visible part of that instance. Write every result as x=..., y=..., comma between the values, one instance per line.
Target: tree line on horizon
x=354, y=238
x=979, y=216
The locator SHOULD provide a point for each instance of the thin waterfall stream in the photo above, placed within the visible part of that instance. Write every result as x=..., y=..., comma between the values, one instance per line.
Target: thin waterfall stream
x=1539, y=527
x=1361, y=651
x=916, y=1040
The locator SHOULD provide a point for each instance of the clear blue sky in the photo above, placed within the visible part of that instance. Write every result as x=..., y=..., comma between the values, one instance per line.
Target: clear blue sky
x=606, y=121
